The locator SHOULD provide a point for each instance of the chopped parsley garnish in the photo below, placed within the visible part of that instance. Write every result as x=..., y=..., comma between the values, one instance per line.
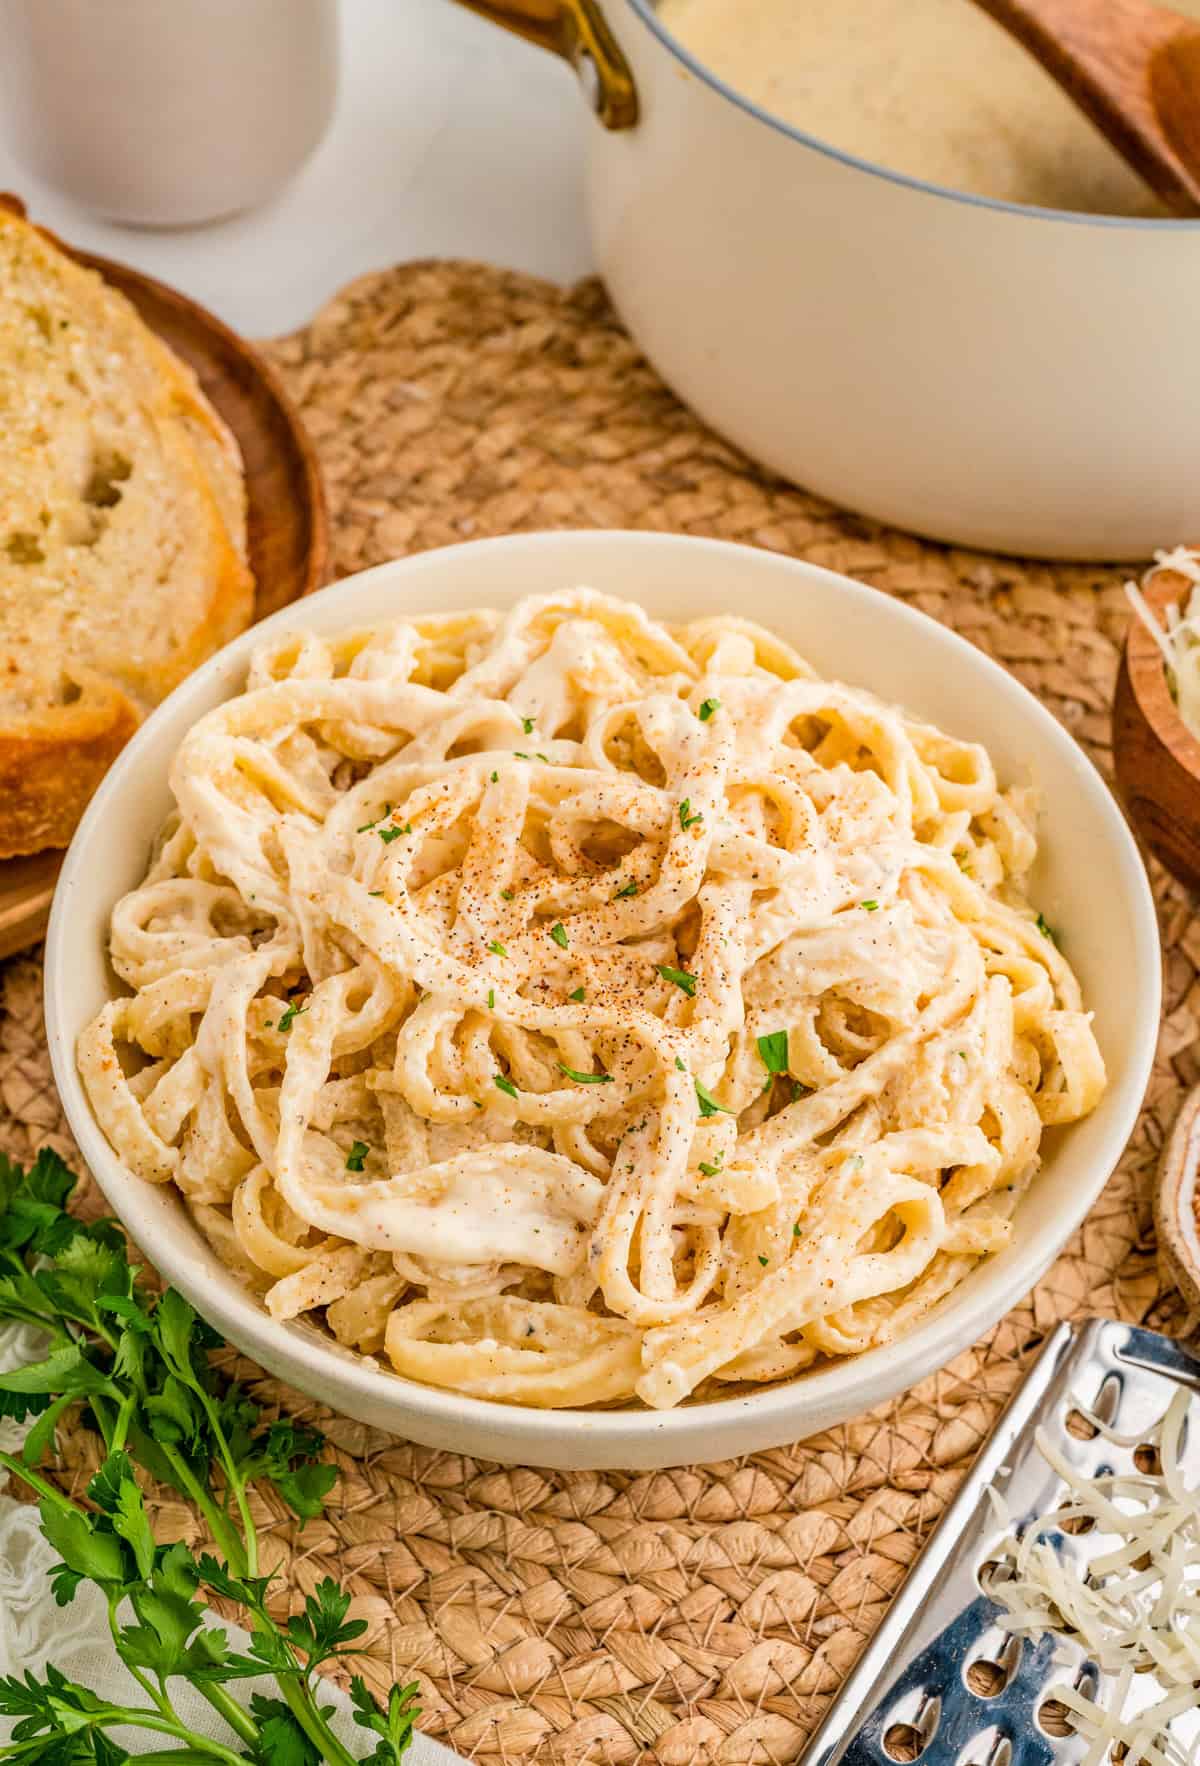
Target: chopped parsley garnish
x=688, y=817
x=578, y=996
x=545, y=757
x=585, y=1078
x=1046, y=929
x=506, y=895
x=629, y=889
x=374, y=891
x=387, y=835
x=774, y=1051
x=678, y=978
x=680, y=1065
x=505, y=1085
x=357, y=1156
x=718, y=1164
x=708, y=1104
x=796, y=1230
x=495, y=777
x=497, y=949
x=763, y=1260
x=707, y=709
x=558, y=933
x=799, y=1091
x=527, y=725
x=491, y=999
x=870, y=906
x=289, y=1017
x=367, y=826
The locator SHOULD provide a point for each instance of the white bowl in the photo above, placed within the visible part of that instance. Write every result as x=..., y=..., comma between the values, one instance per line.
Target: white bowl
x=1089, y=881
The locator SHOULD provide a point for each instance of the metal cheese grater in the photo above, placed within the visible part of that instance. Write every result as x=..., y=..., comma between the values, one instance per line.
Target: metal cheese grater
x=941, y=1682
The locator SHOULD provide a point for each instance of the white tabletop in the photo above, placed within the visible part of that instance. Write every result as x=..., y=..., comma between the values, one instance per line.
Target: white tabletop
x=451, y=139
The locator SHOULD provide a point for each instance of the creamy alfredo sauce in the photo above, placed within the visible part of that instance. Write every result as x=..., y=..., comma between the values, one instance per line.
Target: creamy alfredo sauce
x=932, y=88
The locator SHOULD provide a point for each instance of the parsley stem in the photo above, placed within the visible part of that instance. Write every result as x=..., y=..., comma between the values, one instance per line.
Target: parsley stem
x=124, y=1419
x=223, y=1532
x=233, y=1479
x=300, y=1703
x=134, y=1717
x=158, y=1697
x=35, y=1481
x=171, y=1726
x=238, y=1720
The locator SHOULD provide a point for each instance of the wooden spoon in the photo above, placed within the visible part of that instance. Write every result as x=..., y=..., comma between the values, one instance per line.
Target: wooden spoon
x=1134, y=69
x=1175, y=1202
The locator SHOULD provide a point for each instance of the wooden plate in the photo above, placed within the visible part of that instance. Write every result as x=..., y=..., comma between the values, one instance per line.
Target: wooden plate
x=288, y=536
x=1176, y=1214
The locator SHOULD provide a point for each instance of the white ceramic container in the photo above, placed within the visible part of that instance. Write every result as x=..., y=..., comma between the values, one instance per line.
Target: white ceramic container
x=164, y=113
x=1089, y=880
x=1013, y=378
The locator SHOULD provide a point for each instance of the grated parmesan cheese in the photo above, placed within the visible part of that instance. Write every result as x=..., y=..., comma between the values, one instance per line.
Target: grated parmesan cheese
x=1134, y=1606
x=1179, y=638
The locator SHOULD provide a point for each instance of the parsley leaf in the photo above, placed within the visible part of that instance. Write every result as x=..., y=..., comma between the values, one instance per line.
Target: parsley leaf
x=707, y=709
x=1046, y=929
x=628, y=889
x=394, y=1726
x=870, y=906
x=718, y=1164
x=774, y=1051
x=585, y=1078
x=678, y=978
x=282, y=1741
x=687, y=817
x=497, y=949
x=356, y=1158
x=558, y=933
x=505, y=1085
x=708, y=1104
x=578, y=996
x=290, y=1014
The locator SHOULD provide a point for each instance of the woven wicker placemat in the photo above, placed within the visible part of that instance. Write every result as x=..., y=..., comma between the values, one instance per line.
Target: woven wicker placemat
x=689, y=1616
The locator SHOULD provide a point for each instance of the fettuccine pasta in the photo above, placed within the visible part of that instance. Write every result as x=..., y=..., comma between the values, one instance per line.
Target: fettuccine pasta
x=574, y=1008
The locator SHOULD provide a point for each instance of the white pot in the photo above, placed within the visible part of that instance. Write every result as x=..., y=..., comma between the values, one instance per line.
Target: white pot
x=1005, y=377
x=166, y=112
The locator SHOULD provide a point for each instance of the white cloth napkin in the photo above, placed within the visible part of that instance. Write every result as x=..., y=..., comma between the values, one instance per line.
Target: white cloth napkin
x=33, y=1630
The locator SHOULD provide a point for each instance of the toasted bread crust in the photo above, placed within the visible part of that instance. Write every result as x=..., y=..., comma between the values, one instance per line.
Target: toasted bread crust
x=122, y=533
x=51, y=765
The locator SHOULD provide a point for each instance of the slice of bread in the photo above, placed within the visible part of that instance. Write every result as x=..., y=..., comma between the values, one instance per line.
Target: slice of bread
x=122, y=533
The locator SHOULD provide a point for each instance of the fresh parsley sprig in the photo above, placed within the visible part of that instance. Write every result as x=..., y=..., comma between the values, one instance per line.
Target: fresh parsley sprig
x=139, y=1362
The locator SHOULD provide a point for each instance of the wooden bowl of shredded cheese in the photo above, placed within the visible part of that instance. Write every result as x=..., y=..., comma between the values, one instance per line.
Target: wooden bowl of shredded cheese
x=1156, y=713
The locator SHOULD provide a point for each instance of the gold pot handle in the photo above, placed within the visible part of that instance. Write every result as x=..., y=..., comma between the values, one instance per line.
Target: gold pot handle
x=578, y=31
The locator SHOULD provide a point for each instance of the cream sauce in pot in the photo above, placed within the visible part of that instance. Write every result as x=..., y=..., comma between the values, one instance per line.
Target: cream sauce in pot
x=931, y=88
